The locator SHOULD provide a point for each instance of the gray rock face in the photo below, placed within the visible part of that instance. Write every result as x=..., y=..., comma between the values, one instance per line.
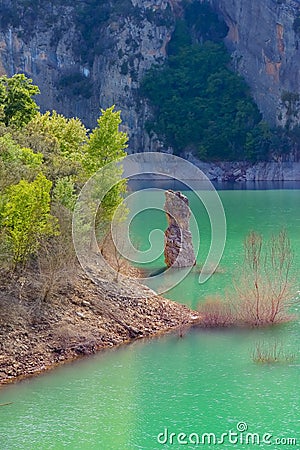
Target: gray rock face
x=240, y=171
x=129, y=43
x=266, y=52
x=261, y=37
x=179, y=250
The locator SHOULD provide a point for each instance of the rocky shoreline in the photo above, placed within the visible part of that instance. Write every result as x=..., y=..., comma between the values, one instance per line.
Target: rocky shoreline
x=243, y=171
x=277, y=170
x=81, y=321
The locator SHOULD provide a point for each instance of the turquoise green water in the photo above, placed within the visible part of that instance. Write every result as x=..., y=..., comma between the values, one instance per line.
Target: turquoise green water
x=203, y=383
x=266, y=212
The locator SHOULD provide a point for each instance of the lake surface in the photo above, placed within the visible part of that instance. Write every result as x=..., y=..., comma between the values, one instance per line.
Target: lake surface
x=204, y=383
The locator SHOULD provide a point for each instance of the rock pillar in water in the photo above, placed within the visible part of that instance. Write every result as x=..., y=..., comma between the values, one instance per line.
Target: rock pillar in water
x=179, y=251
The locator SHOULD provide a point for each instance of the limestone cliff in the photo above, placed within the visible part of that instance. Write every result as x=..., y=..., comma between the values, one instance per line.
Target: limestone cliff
x=89, y=54
x=264, y=39
x=86, y=59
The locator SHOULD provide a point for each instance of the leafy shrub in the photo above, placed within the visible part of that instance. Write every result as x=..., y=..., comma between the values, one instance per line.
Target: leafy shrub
x=64, y=193
x=11, y=152
x=16, y=100
x=26, y=216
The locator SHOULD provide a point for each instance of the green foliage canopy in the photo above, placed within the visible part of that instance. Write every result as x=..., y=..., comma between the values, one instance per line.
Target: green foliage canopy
x=61, y=141
x=43, y=166
x=64, y=192
x=16, y=103
x=107, y=144
x=26, y=216
x=200, y=104
x=11, y=152
x=17, y=162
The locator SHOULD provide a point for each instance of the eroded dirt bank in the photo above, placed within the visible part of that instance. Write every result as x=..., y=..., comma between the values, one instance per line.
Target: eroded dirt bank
x=80, y=319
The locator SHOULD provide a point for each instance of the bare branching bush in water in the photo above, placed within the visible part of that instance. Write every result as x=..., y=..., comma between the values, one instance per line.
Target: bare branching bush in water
x=268, y=353
x=263, y=290
x=216, y=312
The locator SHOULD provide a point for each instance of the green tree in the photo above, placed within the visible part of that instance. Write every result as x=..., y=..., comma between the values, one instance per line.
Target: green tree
x=64, y=193
x=11, y=151
x=16, y=102
x=26, y=218
x=107, y=144
x=69, y=134
x=17, y=162
x=61, y=140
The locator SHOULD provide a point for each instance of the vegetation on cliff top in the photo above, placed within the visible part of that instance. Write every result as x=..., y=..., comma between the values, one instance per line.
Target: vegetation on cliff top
x=205, y=106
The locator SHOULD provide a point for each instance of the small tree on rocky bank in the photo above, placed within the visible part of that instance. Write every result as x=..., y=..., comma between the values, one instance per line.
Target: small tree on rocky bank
x=106, y=144
x=26, y=218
